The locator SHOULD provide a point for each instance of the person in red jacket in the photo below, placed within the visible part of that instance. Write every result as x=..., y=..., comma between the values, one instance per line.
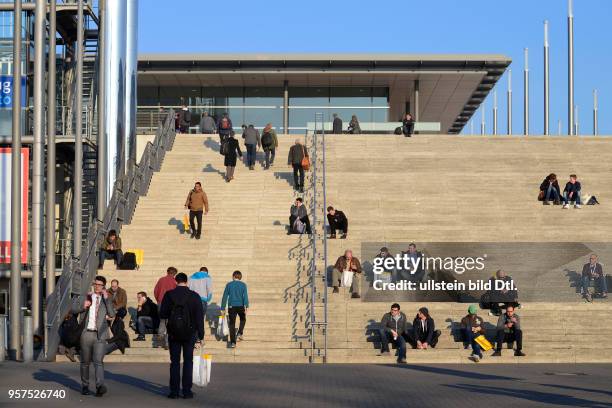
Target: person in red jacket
x=164, y=284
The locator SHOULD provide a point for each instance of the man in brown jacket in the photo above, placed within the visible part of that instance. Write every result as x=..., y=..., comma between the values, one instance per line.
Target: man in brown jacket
x=119, y=298
x=349, y=264
x=197, y=203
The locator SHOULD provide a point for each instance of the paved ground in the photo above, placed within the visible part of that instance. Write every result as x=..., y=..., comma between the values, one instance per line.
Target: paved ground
x=259, y=385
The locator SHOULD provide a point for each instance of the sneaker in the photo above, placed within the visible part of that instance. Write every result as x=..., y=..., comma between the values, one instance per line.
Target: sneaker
x=139, y=338
x=577, y=206
x=100, y=391
x=565, y=206
x=545, y=202
x=240, y=337
x=332, y=236
x=496, y=354
x=604, y=295
x=232, y=345
x=588, y=297
x=519, y=353
x=85, y=391
x=336, y=290
x=474, y=357
x=343, y=236
x=401, y=361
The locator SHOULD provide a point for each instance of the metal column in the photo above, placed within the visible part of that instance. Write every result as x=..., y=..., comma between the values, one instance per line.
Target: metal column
x=526, y=94
x=509, y=101
x=131, y=73
x=595, y=113
x=50, y=202
x=483, y=112
x=38, y=161
x=286, y=107
x=495, y=112
x=77, y=201
x=101, y=157
x=15, y=288
x=416, y=100
x=570, y=69
x=546, y=80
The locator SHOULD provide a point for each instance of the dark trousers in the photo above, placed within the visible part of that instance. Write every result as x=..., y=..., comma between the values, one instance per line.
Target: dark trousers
x=121, y=312
x=297, y=168
x=412, y=339
x=514, y=335
x=408, y=130
x=469, y=336
x=144, y=323
x=204, y=309
x=400, y=343
x=233, y=312
x=270, y=157
x=103, y=255
x=305, y=220
x=193, y=216
x=342, y=226
x=251, y=151
x=552, y=192
x=176, y=347
x=576, y=198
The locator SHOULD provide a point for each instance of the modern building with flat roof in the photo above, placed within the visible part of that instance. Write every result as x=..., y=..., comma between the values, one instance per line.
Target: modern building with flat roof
x=287, y=89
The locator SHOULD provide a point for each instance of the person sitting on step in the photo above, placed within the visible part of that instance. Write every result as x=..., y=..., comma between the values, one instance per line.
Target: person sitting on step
x=572, y=192
x=347, y=269
x=110, y=249
x=593, y=272
x=393, y=329
x=509, y=331
x=298, y=218
x=550, y=190
x=423, y=334
x=337, y=221
x=472, y=327
x=501, y=294
x=147, y=316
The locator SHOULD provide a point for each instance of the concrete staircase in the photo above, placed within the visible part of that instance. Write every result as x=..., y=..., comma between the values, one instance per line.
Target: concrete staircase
x=393, y=189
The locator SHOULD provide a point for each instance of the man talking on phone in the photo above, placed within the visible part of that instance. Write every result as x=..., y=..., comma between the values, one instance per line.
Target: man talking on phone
x=97, y=308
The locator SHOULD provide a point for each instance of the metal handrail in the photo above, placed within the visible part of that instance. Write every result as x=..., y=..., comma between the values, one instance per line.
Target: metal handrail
x=78, y=273
x=314, y=276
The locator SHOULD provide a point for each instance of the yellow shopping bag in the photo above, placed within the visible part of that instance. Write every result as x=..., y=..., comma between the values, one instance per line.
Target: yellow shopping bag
x=483, y=343
x=185, y=222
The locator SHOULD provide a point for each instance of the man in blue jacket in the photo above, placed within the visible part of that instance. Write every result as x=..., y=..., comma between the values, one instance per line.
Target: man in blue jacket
x=236, y=297
x=572, y=192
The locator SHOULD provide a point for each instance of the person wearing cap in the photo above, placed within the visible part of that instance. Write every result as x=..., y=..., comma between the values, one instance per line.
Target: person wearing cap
x=423, y=334
x=472, y=327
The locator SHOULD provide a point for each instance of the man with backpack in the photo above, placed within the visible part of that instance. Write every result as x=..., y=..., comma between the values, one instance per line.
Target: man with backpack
x=184, y=119
x=269, y=143
x=183, y=309
x=224, y=127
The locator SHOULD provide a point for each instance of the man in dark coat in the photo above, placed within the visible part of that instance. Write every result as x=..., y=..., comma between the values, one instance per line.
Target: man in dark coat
x=337, y=125
x=394, y=326
x=231, y=151
x=189, y=304
x=337, y=221
x=297, y=152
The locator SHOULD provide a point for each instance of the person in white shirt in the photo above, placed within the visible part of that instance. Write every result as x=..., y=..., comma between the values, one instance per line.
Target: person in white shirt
x=97, y=309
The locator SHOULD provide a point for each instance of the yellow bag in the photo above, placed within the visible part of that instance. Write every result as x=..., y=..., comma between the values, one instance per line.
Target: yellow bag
x=483, y=343
x=139, y=255
x=185, y=222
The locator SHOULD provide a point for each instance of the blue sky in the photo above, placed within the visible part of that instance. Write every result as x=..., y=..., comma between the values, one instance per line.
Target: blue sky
x=409, y=26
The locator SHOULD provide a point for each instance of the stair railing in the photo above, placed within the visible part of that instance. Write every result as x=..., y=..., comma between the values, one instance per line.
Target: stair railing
x=78, y=273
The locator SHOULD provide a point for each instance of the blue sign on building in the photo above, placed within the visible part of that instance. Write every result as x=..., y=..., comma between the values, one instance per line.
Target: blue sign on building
x=6, y=91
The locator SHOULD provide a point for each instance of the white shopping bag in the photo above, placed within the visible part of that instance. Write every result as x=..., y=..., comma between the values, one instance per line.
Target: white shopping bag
x=205, y=368
x=222, y=326
x=197, y=371
x=347, y=278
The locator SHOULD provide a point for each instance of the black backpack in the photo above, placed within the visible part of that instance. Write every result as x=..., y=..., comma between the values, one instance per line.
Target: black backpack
x=398, y=130
x=224, y=147
x=179, y=322
x=128, y=262
x=266, y=140
x=71, y=330
x=592, y=201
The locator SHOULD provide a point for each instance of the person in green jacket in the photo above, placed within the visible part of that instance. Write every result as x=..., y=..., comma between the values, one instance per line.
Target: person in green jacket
x=236, y=298
x=269, y=142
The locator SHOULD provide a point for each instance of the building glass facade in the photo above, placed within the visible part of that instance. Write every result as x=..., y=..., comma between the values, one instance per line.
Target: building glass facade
x=260, y=105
